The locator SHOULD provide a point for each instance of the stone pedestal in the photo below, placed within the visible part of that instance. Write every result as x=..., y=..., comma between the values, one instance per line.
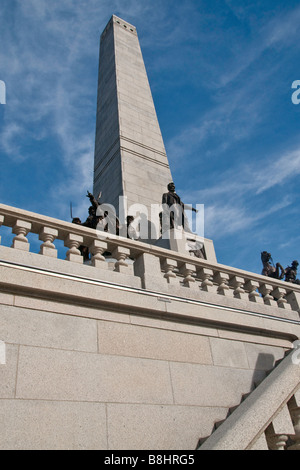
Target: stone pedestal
x=187, y=243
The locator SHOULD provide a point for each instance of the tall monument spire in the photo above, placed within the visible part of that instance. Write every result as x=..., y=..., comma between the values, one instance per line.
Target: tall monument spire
x=130, y=157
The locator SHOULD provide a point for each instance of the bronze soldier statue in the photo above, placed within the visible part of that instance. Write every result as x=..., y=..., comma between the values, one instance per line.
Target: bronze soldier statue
x=93, y=219
x=291, y=273
x=101, y=219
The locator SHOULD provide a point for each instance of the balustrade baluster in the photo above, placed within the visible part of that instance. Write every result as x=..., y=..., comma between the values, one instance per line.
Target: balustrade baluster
x=206, y=275
x=296, y=437
x=187, y=270
x=279, y=294
x=237, y=283
x=73, y=242
x=275, y=441
x=97, y=248
x=121, y=254
x=168, y=266
x=21, y=229
x=252, y=287
x=222, y=279
x=277, y=433
x=294, y=407
x=48, y=235
x=265, y=290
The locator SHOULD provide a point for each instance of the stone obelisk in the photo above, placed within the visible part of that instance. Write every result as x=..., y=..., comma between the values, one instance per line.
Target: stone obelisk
x=130, y=157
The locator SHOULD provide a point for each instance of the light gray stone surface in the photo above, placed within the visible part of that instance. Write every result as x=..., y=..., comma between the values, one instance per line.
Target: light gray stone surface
x=49, y=374
x=139, y=341
x=52, y=425
x=158, y=426
x=43, y=329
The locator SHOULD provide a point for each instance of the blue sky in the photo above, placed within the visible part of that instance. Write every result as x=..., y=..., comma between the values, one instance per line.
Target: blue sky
x=221, y=74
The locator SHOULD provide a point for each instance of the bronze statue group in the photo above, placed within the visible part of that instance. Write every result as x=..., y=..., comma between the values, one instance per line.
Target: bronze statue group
x=99, y=218
x=102, y=218
x=289, y=274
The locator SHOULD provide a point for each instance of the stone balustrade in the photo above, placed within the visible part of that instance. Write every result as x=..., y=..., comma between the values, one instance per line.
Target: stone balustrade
x=283, y=431
x=267, y=419
x=294, y=409
x=157, y=268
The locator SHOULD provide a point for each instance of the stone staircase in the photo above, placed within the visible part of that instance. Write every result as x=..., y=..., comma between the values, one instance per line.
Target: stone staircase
x=268, y=418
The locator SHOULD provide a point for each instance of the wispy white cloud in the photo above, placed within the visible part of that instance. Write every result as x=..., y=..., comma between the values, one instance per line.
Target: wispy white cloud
x=233, y=117
x=252, y=179
x=50, y=96
x=278, y=32
x=235, y=204
x=234, y=218
x=242, y=91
